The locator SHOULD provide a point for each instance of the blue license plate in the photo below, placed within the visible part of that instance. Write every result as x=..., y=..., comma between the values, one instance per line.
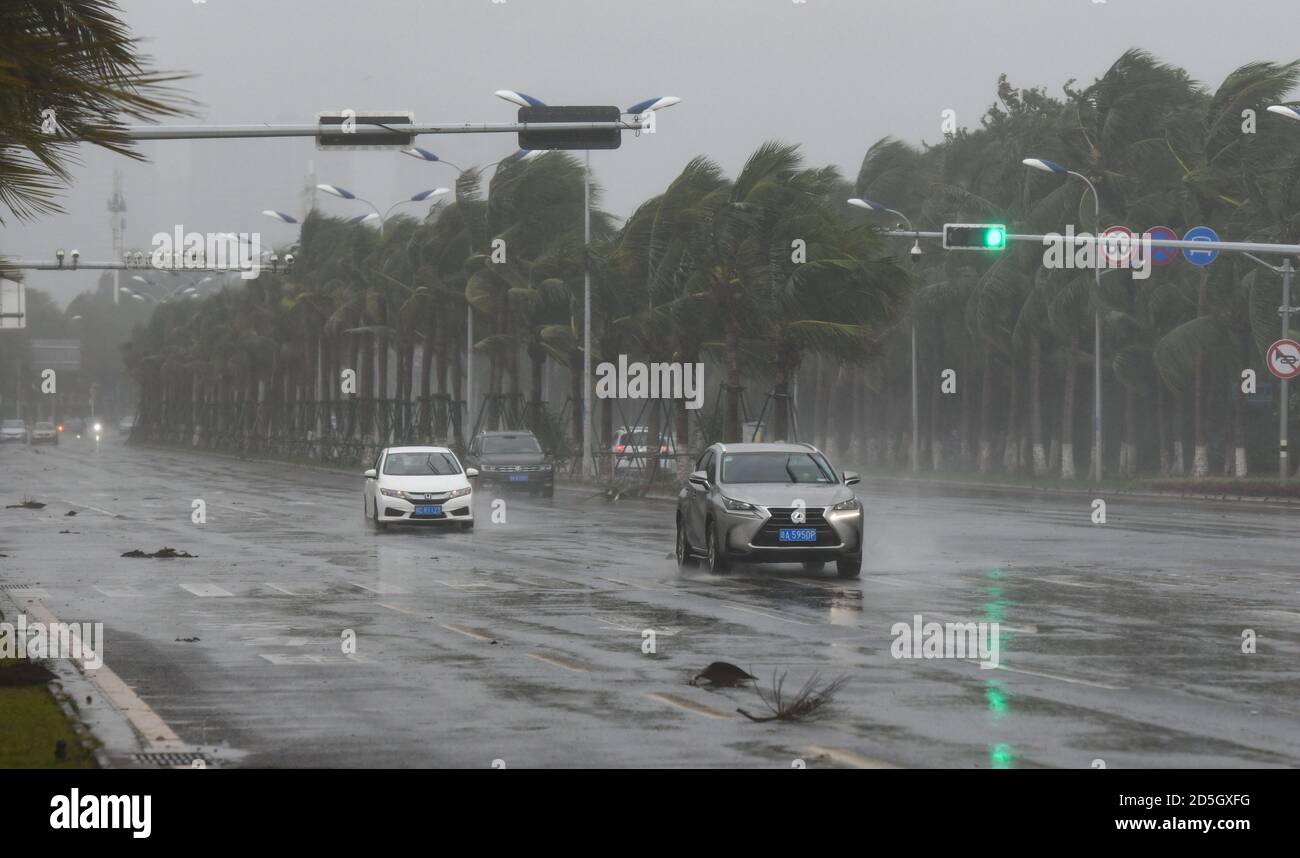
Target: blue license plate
x=518, y=478
x=428, y=510
x=797, y=534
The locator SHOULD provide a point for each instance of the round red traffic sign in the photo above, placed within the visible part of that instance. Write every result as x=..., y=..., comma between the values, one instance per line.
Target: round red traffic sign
x=1117, y=245
x=1284, y=358
x=1163, y=255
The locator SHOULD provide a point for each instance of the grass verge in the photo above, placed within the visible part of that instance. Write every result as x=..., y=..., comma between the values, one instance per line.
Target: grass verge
x=32, y=723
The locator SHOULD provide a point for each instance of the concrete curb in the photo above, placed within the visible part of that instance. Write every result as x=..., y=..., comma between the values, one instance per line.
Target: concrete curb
x=1009, y=488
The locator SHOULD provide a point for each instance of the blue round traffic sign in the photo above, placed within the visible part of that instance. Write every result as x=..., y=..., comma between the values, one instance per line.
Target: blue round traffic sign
x=1162, y=255
x=1200, y=257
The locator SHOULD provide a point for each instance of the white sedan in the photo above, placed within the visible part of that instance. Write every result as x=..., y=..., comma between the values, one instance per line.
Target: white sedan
x=419, y=485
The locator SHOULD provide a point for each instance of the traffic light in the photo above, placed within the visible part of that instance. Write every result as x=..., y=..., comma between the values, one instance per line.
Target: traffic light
x=538, y=137
x=974, y=236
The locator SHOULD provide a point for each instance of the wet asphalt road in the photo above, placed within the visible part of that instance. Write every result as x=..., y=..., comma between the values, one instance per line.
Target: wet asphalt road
x=522, y=641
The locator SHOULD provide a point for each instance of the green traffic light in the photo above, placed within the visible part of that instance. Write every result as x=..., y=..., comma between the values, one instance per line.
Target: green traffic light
x=994, y=237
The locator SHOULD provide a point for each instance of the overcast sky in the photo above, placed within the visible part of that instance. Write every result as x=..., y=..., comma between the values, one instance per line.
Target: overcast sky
x=834, y=75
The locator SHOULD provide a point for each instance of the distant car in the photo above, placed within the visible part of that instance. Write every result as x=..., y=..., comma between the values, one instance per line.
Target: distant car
x=632, y=447
x=44, y=432
x=125, y=425
x=419, y=485
x=74, y=425
x=512, y=460
x=13, y=431
x=769, y=503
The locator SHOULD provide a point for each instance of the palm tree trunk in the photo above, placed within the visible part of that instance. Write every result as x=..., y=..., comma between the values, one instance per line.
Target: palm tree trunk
x=1036, y=406
x=731, y=428
x=1067, y=410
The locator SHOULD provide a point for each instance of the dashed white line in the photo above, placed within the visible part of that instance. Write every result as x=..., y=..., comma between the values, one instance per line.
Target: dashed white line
x=206, y=590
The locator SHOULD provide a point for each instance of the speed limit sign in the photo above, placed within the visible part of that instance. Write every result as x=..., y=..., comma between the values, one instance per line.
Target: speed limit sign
x=1284, y=359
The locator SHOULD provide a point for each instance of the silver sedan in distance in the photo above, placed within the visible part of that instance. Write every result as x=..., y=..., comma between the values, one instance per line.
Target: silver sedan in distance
x=769, y=503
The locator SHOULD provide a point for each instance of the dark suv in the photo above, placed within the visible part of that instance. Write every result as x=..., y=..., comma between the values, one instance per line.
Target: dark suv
x=512, y=460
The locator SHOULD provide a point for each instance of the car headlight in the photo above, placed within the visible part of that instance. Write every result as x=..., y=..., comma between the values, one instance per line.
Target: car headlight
x=738, y=506
x=851, y=503
x=393, y=493
x=546, y=466
x=460, y=493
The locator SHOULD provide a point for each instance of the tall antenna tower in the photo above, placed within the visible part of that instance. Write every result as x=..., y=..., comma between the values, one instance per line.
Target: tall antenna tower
x=117, y=223
x=309, y=189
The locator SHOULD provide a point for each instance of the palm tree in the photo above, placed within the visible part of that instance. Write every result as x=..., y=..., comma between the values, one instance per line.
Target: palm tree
x=73, y=62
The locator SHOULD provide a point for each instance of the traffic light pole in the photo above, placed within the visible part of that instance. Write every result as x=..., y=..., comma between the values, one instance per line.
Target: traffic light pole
x=1247, y=248
x=209, y=132
x=1283, y=454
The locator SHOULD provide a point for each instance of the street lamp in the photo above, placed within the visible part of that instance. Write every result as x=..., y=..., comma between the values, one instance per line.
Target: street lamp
x=873, y=206
x=516, y=157
x=1052, y=167
x=640, y=108
x=345, y=194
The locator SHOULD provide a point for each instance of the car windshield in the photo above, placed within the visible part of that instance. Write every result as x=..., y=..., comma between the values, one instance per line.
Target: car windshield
x=421, y=464
x=511, y=444
x=776, y=468
x=13, y=424
x=44, y=426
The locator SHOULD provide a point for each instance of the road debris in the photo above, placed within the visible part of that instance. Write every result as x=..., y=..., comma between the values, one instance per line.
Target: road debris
x=809, y=701
x=163, y=553
x=722, y=674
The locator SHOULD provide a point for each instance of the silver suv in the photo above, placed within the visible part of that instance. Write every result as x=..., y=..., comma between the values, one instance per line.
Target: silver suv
x=769, y=503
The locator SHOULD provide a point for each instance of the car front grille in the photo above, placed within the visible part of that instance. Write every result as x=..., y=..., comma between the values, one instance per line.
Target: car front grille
x=511, y=469
x=770, y=533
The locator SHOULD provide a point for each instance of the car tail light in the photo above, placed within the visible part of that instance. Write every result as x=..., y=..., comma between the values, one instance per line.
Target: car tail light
x=60, y=427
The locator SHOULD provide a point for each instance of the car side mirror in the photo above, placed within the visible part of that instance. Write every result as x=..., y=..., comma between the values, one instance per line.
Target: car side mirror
x=851, y=478
x=370, y=474
x=699, y=479
x=471, y=472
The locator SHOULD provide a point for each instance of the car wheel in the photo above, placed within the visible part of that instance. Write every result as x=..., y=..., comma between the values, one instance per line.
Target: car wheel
x=848, y=567
x=719, y=562
x=379, y=525
x=685, y=559
x=467, y=525
x=548, y=492
x=812, y=567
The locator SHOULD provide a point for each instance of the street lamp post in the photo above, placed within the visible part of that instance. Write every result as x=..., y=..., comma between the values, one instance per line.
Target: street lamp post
x=1052, y=167
x=516, y=157
x=345, y=194
x=641, y=108
x=871, y=205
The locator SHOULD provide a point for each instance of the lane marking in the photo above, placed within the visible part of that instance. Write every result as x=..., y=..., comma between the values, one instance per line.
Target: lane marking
x=283, y=660
x=848, y=758
x=108, y=513
x=381, y=589
x=688, y=705
x=559, y=661
x=784, y=619
x=116, y=593
x=281, y=589
x=206, y=590
x=1069, y=679
x=399, y=609
x=464, y=631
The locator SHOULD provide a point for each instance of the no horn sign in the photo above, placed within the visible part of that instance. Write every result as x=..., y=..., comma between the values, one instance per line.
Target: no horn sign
x=1284, y=358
